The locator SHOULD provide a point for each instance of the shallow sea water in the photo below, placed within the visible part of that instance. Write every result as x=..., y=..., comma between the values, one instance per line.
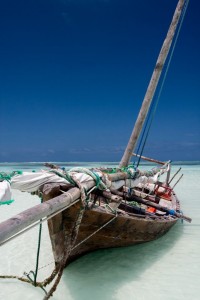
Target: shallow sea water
x=167, y=269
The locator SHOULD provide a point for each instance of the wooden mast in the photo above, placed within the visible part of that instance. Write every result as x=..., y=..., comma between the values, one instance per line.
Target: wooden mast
x=152, y=86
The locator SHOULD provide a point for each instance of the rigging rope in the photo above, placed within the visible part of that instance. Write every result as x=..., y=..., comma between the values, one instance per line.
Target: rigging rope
x=95, y=232
x=152, y=111
x=34, y=281
x=8, y=202
x=38, y=251
x=8, y=177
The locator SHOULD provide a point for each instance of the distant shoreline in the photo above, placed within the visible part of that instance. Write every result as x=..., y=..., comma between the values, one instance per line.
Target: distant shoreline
x=92, y=163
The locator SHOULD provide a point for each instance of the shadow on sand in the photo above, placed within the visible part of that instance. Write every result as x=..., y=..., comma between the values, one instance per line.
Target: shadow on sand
x=99, y=274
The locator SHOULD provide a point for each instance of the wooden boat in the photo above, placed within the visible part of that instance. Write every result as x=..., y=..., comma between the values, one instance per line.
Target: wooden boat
x=128, y=228
x=83, y=217
x=110, y=221
x=130, y=225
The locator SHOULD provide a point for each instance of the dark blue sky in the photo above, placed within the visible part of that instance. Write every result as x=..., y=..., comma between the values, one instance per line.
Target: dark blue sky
x=74, y=73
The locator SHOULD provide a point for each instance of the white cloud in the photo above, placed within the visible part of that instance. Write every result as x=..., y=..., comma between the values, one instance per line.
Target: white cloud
x=51, y=151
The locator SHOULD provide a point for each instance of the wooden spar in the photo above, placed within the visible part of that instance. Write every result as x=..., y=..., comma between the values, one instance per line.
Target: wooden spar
x=20, y=222
x=152, y=204
x=114, y=199
x=174, y=175
x=28, y=217
x=178, y=181
x=149, y=159
x=152, y=86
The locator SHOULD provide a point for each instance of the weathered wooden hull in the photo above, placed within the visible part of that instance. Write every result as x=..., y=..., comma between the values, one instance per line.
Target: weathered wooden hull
x=122, y=231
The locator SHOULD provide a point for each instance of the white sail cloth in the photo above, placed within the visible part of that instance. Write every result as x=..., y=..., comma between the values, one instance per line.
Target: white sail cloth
x=131, y=183
x=31, y=182
x=5, y=191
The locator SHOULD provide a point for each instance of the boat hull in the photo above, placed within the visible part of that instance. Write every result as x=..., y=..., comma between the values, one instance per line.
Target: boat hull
x=124, y=230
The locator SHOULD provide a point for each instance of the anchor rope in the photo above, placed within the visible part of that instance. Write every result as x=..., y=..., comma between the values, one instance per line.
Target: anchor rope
x=59, y=269
x=69, y=241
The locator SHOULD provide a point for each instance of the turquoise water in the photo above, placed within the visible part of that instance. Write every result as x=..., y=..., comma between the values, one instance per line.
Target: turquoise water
x=168, y=268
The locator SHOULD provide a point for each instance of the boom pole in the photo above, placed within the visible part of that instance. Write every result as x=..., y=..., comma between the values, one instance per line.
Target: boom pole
x=152, y=86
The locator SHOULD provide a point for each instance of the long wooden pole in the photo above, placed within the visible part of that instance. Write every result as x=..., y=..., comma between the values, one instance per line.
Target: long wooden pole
x=152, y=204
x=152, y=86
x=23, y=220
x=149, y=159
x=28, y=217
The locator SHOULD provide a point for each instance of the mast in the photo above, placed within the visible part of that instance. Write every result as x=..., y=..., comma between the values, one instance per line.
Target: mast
x=152, y=86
